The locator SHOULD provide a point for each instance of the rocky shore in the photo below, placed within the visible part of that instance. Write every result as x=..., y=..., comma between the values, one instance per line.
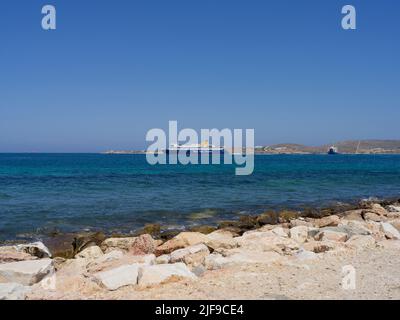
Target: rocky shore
x=270, y=256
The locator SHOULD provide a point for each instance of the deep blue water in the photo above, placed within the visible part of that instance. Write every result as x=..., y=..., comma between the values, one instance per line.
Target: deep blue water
x=70, y=192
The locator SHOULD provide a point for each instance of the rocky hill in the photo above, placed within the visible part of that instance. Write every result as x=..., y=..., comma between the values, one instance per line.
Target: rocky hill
x=350, y=146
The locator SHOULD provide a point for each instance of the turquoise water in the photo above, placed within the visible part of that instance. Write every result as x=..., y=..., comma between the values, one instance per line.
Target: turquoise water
x=71, y=192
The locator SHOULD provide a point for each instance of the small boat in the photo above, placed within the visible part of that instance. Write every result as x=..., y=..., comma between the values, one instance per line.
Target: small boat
x=333, y=150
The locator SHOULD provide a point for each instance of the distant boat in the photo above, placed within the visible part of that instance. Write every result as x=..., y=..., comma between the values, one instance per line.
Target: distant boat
x=333, y=150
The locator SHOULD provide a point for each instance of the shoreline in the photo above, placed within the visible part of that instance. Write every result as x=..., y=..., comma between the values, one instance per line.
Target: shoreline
x=254, y=249
x=60, y=242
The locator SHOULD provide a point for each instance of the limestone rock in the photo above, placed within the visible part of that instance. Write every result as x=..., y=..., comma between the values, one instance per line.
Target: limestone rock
x=221, y=239
x=170, y=246
x=331, y=235
x=147, y=259
x=312, y=232
x=192, y=238
x=355, y=227
x=117, y=244
x=393, y=215
x=86, y=239
x=350, y=229
x=390, y=231
x=115, y=259
x=393, y=208
x=355, y=215
x=119, y=277
x=299, y=234
x=281, y=232
x=378, y=209
x=144, y=244
x=267, y=241
x=300, y=222
x=36, y=249
x=373, y=216
x=13, y=291
x=106, y=258
x=215, y=261
x=193, y=255
x=11, y=254
x=182, y=240
x=26, y=272
x=359, y=241
x=395, y=223
x=90, y=253
x=329, y=221
x=160, y=273
x=221, y=233
x=163, y=259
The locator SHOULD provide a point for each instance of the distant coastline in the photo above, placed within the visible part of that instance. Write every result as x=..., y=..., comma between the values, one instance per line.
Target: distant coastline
x=344, y=147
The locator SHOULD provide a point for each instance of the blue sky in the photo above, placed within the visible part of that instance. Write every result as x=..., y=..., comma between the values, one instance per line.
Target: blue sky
x=115, y=69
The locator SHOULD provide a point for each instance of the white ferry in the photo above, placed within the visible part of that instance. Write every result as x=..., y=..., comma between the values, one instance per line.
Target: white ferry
x=203, y=147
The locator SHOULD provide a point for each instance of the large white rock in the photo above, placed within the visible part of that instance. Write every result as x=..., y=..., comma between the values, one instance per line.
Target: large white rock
x=181, y=254
x=156, y=274
x=13, y=291
x=299, y=233
x=221, y=239
x=115, y=259
x=393, y=208
x=37, y=249
x=26, y=272
x=354, y=227
x=390, y=231
x=119, y=277
x=90, y=253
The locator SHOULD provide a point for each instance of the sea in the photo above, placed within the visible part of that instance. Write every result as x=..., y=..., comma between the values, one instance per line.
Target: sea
x=44, y=193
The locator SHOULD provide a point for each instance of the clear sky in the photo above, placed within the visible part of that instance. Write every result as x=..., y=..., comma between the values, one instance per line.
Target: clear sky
x=115, y=69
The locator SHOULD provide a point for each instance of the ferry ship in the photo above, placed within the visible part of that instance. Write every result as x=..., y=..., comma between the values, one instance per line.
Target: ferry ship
x=203, y=147
x=333, y=150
